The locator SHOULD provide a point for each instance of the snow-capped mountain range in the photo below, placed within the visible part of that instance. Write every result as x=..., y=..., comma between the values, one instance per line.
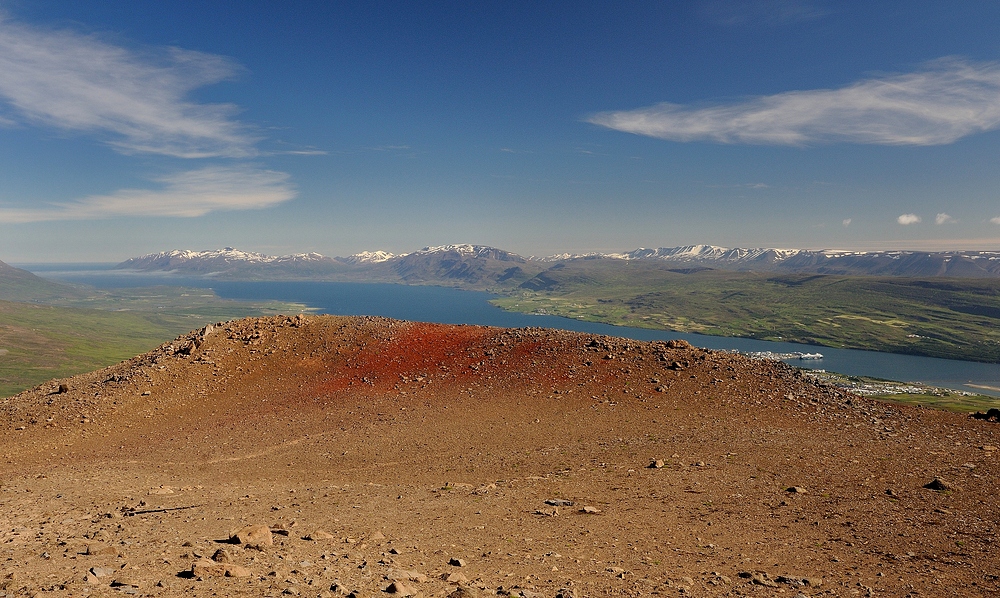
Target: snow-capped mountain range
x=714, y=253
x=169, y=260
x=687, y=252
x=465, y=260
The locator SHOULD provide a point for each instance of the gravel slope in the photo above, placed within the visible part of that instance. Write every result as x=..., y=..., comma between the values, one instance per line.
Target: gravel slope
x=418, y=459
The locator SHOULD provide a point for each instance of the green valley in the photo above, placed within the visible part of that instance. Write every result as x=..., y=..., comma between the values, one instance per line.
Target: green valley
x=938, y=317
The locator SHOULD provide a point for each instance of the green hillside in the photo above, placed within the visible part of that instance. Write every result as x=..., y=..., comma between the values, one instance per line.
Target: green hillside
x=20, y=285
x=49, y=330
x=950, y=318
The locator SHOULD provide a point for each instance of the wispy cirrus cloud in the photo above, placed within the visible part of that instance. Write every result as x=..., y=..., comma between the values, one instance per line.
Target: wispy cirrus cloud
x=186, y=194
x=946, y=100
x=908, y=219
x=137, y=102
x=307, y=152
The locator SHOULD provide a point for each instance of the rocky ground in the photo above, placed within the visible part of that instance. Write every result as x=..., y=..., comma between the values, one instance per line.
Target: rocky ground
x=325, y=456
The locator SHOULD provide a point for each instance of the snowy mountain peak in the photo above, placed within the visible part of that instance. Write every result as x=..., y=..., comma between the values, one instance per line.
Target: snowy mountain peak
x=475, y=251
x=369, y=257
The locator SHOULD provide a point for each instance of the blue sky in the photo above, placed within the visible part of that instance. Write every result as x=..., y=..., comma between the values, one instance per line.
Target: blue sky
x=140, y=126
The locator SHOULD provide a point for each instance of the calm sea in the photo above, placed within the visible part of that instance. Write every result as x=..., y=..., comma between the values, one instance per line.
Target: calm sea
x=453, y=306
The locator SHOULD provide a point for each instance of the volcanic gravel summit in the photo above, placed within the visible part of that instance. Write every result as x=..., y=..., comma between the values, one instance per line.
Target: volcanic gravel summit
x=329, y=456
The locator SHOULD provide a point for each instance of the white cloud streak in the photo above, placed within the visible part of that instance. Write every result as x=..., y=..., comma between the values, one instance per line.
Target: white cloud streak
x=943, y=218
x=187, y=194
x=948, y=99
x=995, y=220
x=135, y=102
x=846, y=222
x=907, y=219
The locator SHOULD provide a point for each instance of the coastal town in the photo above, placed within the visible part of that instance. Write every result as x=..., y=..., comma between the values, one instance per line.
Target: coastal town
x=962, y=400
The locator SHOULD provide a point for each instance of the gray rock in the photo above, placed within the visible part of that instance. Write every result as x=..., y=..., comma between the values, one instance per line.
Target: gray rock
x=103, y=571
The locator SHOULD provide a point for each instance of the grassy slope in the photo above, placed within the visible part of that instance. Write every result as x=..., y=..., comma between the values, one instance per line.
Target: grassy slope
x=951, y=318
x=20, y=285
x=945, y=402
x=41, y=342
x=85, y=332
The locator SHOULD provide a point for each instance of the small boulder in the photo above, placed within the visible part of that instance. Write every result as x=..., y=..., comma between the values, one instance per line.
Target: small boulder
x=939, y=485
x=203, y=568
x=103, y=571
x=464, y=592
x=406, y=575
x=253, y=536
x=236, y=571
x=399, y=589
x=758, y=578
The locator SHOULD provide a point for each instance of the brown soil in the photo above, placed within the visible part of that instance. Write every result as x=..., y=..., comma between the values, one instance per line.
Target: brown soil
x=411, y=445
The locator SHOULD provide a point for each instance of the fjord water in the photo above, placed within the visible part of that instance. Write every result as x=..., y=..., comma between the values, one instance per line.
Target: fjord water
x=455, y=306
